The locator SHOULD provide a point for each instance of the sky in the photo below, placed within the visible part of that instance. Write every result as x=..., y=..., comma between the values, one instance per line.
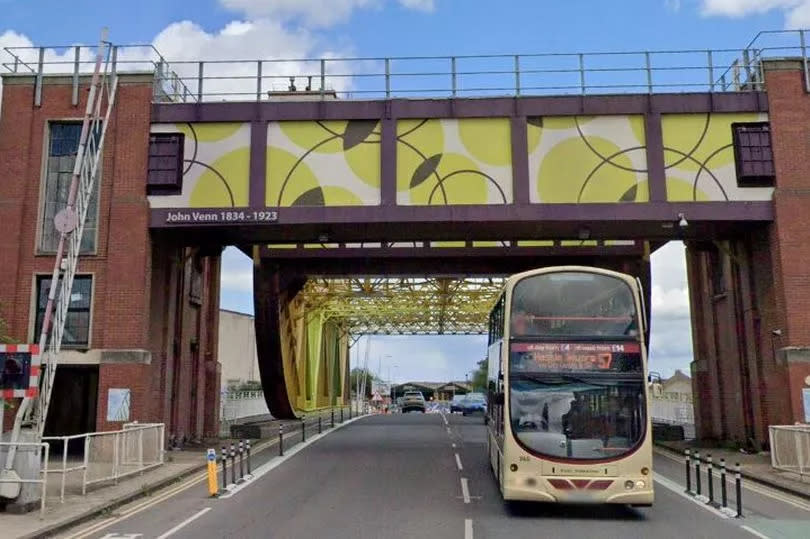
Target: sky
x=252, y=29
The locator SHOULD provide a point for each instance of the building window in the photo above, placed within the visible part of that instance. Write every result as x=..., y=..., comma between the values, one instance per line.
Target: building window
x=63, y=144
x=753, y=154
x=77, y=322
x=165, y=173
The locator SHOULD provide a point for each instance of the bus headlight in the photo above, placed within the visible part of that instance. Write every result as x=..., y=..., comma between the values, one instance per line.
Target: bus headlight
x=640, y=484
x=645, y=471
x=629, y=484
x=513, y=467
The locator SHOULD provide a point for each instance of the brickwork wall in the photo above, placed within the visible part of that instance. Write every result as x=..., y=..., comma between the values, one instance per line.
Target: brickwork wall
x=138, y=287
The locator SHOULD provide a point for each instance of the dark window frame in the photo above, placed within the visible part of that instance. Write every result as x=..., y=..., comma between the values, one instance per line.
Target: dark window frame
x=40, y=300
x=165, y=164
x=59, y=154
x=753, y=154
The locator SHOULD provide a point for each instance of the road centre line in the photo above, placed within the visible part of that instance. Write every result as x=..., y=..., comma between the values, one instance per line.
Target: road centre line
x=458, y=462
x=468, y=530
x=465, y=490
x=186, y=522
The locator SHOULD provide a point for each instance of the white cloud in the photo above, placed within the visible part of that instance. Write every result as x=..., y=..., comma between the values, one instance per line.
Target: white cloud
x=419, y=5
x=797, y=12
x=237, y=271
x=312, y=13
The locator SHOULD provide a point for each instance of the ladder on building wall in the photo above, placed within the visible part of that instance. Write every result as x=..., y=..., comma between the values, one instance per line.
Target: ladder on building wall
x=69, y=222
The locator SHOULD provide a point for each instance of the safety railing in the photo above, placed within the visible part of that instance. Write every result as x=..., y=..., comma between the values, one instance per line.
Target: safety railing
x=583, y=73
x=43, y=454
x=109, y=456
x=674, y=412
x=790, y=448
x=238, y=405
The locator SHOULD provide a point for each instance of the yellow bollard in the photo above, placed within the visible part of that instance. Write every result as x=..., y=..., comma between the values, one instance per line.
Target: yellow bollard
x=213, y=488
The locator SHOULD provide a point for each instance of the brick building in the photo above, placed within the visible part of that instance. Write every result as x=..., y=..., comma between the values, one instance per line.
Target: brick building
x=141, y=330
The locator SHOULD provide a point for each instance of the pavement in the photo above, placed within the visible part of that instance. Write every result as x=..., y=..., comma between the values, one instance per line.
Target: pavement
x=181, y=466
x=415, y=475
x=755, y=466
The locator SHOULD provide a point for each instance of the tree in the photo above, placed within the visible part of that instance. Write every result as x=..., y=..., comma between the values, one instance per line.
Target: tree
x=361, y=374
x=479, y=378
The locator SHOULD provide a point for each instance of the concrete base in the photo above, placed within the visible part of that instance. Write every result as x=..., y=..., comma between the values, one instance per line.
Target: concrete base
x=26, y=466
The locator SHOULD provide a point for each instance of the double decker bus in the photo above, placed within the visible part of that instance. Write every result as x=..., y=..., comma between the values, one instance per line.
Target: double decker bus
x=568, y=413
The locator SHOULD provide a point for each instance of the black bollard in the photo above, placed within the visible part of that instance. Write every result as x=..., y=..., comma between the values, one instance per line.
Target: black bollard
x=233, y=465
x=710, y=477
x=697, y=471
x=320, y=425
x=224, y=468
x=303, y=430
x=688, y=473
x=332, y=422
x=723, y=493
x=738, y=485
x=281, y=440
x=247, y=444
x=241, y=460
x=341, y=414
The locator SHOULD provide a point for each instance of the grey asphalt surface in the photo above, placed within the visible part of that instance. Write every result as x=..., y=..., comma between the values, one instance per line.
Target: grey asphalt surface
x=396, y=476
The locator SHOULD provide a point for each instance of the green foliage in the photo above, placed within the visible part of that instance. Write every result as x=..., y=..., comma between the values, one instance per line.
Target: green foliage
x=4, y=337
x=361, y=374
x=479, y=378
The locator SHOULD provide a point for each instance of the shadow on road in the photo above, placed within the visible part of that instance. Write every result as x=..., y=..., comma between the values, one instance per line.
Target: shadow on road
x=573, y=511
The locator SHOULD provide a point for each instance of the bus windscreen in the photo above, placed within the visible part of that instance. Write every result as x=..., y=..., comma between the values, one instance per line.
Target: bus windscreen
x=573, y=304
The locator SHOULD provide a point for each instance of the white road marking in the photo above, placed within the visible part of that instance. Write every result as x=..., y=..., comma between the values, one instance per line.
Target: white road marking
x=468, y=532
x=458, y=462
x=186, y=522
x=444, y=417
x=749, y=485
x=275, y=462
x=752, y=531
x=678, y=489
x=106, y=523
x=454, y=445
x=465, y=490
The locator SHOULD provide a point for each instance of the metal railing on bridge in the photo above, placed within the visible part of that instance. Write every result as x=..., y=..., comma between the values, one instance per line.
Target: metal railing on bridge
x=239, y=405
x=790, y=448
x=583, y=73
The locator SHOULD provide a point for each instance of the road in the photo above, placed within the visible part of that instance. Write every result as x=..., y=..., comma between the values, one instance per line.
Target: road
x=415, y=475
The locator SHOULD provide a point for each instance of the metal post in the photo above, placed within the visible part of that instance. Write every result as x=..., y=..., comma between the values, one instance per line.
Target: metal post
x=241, y=460
x=517, y=75
x=387, y=78
x=723, y=490
x=649, y=72
x=247, y=448
x=64, y=465
x=38, y=83
x=688, y=473
x=453, y=75
x=738, y=486
x=224, y=467
x=582, y=72
x=86, y=458
x=116, y=457
x=140, y=450
x=711, y=70
x=332, y=422
x=259, y=80
x=303, y=429
x=281, y=440
x=320, y=426
x=710, y=476
x=323, y=78
x=74, y=98
x=697, y=471
x=804, y=60
x=341, y=414
x=233, y=464
x=200, y=72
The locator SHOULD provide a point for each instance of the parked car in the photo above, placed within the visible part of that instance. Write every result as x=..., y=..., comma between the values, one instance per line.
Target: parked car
x=413, y=401
x=455, y=404
x=474, y=403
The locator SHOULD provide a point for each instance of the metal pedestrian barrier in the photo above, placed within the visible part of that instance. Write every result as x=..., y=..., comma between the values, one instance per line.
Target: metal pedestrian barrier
x=42, y=452
x=712, y=466
x=790, y=448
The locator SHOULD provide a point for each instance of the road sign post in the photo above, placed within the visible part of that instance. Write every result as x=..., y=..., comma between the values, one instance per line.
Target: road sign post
x=211, y=457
